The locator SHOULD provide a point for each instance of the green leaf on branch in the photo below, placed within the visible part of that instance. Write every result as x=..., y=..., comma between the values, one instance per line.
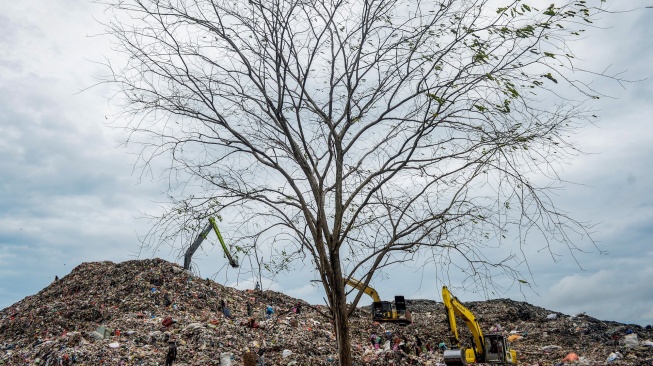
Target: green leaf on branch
x=550, y=11
x=550, y=77
x=436, y=98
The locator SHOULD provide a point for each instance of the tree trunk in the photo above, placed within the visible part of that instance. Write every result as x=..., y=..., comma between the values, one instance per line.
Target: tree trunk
x=341, y=324
x=339, y=310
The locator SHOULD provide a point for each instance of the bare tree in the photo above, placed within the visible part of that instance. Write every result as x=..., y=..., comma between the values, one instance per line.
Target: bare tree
x=357, y=134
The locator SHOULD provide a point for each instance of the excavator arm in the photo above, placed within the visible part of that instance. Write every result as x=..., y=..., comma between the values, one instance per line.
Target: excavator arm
x=498, y=351
x=366, y=289
x=232, y=262
x=455, y=307
x=200, y=238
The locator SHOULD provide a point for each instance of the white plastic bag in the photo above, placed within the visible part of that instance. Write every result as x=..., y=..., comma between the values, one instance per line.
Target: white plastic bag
x=286, y=353
x=613, y=357
x=647, y=343
x=551, y=348
x=630, y=340
x=225, y=359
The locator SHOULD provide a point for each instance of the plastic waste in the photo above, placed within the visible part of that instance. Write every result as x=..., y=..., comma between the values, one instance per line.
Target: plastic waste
x=647, y=343
x=613, y=357
x=551, y=316
x=630, y=340
x=571, y=357
x=550, y=348
x=225, y=359
x=286, y=353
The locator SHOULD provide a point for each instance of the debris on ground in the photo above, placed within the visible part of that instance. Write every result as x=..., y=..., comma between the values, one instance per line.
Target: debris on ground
x=134, y=312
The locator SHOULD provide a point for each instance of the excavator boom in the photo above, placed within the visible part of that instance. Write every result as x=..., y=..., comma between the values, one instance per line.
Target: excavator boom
x=366, y=289
x=232, y=262
x=455, y=307
x=490, y=349
x=200, y=238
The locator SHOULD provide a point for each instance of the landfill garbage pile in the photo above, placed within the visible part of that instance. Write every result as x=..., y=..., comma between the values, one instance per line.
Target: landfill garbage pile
x=540, y=336
x=131, y=313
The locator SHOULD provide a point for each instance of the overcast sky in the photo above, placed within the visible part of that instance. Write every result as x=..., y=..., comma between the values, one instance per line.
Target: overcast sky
x=70, y=194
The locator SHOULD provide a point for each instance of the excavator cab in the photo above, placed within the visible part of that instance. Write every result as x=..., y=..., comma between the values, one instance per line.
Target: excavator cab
x=383, y=311
x=498, y=352
x=495, y=349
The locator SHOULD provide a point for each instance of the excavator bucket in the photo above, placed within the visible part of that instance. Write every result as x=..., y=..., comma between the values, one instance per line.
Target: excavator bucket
x=454, y=357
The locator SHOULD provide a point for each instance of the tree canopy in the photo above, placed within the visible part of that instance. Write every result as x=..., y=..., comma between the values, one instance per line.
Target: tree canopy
x=358, y=134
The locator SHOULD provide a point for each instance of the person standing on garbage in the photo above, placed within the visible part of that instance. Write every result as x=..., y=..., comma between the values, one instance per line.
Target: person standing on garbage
x=418, y=345
x=172, y=353
x=166, y=299
x=249, y=308
x=261, y=358
x=225, y=310
x=268, y=312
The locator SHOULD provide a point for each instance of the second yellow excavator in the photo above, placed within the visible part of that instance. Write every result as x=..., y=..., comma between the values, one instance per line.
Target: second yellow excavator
x=490, y=348
x=383, y=311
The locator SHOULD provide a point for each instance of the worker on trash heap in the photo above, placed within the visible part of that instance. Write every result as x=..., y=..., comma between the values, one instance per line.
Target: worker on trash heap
x=373, y=339
x=418, y=345
x=172, y=353
x=268, y=312
x=442, y=346
x=261, y=357
x=166, y=299
x=249, y=308
x=225, y=310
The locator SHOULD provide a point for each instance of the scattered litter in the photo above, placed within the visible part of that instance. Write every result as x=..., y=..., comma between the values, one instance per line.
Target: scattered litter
x=571, y=357
x=630, y=340
x=613, y=357
x=106, y=313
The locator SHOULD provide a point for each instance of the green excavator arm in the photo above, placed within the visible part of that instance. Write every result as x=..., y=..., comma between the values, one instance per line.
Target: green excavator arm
x=200, y=238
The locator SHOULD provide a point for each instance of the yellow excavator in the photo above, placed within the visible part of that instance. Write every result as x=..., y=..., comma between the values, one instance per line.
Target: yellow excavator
x=383, y=311
x=200, y=238
x=490, y=348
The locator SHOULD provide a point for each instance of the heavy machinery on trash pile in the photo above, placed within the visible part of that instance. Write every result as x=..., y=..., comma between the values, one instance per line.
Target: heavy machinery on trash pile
x=200, y=238
x=489, y=348
x=383, y=311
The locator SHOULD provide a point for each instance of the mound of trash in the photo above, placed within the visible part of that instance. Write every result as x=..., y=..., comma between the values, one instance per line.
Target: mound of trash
x=134, y=312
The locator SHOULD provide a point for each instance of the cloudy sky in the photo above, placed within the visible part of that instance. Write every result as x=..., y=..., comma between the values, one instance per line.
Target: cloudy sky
x=70, y=194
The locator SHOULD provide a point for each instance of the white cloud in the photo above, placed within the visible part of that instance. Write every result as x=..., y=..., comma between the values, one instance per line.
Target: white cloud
x=624, y=291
